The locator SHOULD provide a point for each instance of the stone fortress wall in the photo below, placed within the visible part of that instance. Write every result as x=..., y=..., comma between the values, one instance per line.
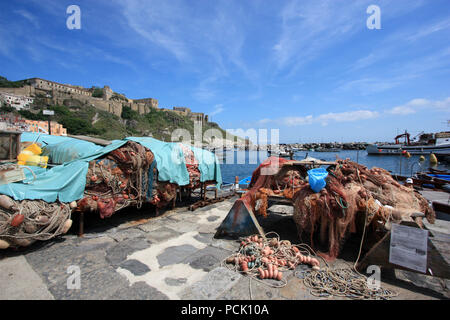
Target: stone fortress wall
x=110, y=102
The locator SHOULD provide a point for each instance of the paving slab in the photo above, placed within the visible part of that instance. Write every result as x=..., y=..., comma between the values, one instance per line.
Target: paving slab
x=175, y=254
x=94, y=285
x=55, y=269
x=20, y=282
x=212, y=285
x=130, y=233
x=162, y=234
x=248, y=288
x=207, y=258
x=138, y=291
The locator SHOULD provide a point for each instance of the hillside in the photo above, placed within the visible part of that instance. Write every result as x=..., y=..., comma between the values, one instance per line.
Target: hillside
x=82, y=119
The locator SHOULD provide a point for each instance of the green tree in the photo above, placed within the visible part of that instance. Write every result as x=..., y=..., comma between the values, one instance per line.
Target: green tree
x=97, y=93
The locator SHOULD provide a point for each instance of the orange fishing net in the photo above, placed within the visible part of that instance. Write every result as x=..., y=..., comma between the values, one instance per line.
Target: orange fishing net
x=332, y=213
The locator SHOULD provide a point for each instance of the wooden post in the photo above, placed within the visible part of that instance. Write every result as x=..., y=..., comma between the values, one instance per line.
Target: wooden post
x=204, y=191
x=81, y=229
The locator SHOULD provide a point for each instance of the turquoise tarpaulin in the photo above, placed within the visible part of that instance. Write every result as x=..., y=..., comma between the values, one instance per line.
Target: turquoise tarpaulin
x=209, y=165
x=169, y=160
x=61, y=149
x=67, y=182
x=171, y=163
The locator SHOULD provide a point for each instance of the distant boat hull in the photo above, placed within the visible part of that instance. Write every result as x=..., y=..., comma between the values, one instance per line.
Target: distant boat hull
x=397, y=149
x=328, y=150
x=280, y=154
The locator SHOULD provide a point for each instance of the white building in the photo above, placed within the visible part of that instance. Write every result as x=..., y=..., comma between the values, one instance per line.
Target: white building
x=18, y=102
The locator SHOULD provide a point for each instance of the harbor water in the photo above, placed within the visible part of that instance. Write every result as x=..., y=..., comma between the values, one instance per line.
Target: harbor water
x=243, y=163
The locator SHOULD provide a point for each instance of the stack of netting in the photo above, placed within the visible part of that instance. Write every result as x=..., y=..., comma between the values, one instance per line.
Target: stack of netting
x=117, y=180
x=94, y=179
x=332, y=213
x=24, y=222
x=192, y=167
x=353, y=188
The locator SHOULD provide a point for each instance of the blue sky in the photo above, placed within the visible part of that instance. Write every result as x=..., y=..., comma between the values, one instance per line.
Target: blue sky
x=309, y=68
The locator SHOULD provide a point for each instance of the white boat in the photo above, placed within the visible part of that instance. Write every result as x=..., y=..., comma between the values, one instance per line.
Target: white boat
x=280, y=153
x=437, y=143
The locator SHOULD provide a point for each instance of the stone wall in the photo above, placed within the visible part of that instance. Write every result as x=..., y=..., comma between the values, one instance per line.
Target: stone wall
x=57, y=93
x=24, y=91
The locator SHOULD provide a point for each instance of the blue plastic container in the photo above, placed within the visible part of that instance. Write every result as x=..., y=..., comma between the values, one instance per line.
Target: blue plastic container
x=317, y=179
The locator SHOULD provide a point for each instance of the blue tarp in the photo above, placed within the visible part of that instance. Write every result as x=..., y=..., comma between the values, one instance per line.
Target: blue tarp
x=67, y=182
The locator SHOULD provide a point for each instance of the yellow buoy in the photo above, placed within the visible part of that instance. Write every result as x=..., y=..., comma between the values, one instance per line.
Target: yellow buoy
x=422, y=158
x=433, y=158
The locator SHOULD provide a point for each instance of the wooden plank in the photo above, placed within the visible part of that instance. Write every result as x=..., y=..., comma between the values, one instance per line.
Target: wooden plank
x=98, y=141
x=310, y=162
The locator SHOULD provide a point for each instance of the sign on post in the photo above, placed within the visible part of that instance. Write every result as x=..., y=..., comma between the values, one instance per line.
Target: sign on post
x=409, y=247
x=48, y=112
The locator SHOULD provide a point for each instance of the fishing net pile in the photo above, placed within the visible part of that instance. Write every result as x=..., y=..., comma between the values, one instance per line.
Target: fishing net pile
x=271, y=180
x=24, y=222
x=192, y=167
x=117, y=180
x=352, y=191
x=121, y=179
x=126, y=176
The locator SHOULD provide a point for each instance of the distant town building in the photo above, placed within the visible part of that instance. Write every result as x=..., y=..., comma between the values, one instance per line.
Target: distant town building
x=42, y=126
x=11, y=122
x=17, y=101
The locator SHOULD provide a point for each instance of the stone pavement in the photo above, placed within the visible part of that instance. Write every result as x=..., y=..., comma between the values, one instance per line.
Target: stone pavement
x=135, y=255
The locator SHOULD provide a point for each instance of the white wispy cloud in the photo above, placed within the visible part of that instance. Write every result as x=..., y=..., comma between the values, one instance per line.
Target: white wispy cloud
x=218, y=108
x=28, y=16
x=323, y=119
x=411, y=107
x=310, y=27
x=425, y=31
x=370, y=85
x=208, y=44
x=417, y=105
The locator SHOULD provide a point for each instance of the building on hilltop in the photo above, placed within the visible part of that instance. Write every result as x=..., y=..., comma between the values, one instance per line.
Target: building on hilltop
x=194, y=116
x=148, y=102
x=48, y=85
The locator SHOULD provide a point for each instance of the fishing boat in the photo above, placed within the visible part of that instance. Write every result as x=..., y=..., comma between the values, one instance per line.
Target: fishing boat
x=245, y=182
x=328, y=150
x=436, y=143
x=280, y=153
